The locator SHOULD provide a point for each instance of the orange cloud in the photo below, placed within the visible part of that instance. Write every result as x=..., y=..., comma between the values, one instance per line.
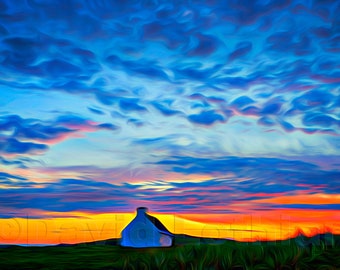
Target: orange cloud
x=314, y=199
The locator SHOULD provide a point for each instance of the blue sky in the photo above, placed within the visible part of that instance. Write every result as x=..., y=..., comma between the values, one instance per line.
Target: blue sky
x=182, y=106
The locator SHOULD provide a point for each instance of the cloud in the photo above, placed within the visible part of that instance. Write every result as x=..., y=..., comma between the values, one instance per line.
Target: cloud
x=56, y=68
x=266, y=121
x=76, y=195
x=32, y=136
x=274, y=170
x=242, y=102
x=106, y=98
x=194, y=71
x=30, y=128
x=243, y=166
x=107, y=126
x=205, y=45
x=271, y=108
x=22, y=54
x=169, y=43
x=4, y=176
x=13, y=146
x=242, y=49
x=251, y=110
x=313, y=100
x=141, y=67
x=318, y=119
x=206, y=118
x=332, y=45
x=282, y=42
x=96, y=111
x=19, y=162
x=213, y=195
x=288, y=127
x=136, y=122
x=131, y=104
x=165, y=109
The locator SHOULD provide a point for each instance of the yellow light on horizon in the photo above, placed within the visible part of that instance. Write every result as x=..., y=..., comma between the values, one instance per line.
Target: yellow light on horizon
x=83, y=227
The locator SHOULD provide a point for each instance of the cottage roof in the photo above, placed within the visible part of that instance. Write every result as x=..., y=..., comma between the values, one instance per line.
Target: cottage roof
x=159, y=225
x=142, y=213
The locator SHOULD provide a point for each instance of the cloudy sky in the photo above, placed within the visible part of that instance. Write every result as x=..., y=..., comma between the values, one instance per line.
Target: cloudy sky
x=213, y=107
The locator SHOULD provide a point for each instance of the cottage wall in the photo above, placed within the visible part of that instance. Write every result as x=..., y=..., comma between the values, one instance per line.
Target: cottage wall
x=165, y=240
x=141, y=232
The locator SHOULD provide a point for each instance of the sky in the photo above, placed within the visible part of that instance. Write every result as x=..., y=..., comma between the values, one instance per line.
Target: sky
x=191, y=108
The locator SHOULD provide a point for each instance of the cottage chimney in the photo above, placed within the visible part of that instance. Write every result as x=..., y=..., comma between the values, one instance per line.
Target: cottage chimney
x=142, y=210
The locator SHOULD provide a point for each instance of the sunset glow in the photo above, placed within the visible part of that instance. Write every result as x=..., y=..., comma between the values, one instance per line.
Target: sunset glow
x=271, y=225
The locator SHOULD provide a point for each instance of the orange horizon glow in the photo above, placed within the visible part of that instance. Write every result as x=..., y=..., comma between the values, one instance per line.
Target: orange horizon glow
x=82, y=227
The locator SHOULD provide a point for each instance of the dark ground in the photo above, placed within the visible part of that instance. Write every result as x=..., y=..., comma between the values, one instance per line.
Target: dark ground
x=303, y=253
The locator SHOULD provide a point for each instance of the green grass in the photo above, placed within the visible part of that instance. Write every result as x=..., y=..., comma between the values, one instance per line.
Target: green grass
x=184, y=255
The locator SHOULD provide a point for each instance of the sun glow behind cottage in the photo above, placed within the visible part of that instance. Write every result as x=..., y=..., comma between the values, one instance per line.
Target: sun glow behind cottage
x=83, y=227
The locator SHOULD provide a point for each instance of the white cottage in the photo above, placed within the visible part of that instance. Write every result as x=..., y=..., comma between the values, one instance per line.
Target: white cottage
x=145, y=231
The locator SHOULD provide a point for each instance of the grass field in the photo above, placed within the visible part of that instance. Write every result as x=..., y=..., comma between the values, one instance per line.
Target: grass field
x=187, y=253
